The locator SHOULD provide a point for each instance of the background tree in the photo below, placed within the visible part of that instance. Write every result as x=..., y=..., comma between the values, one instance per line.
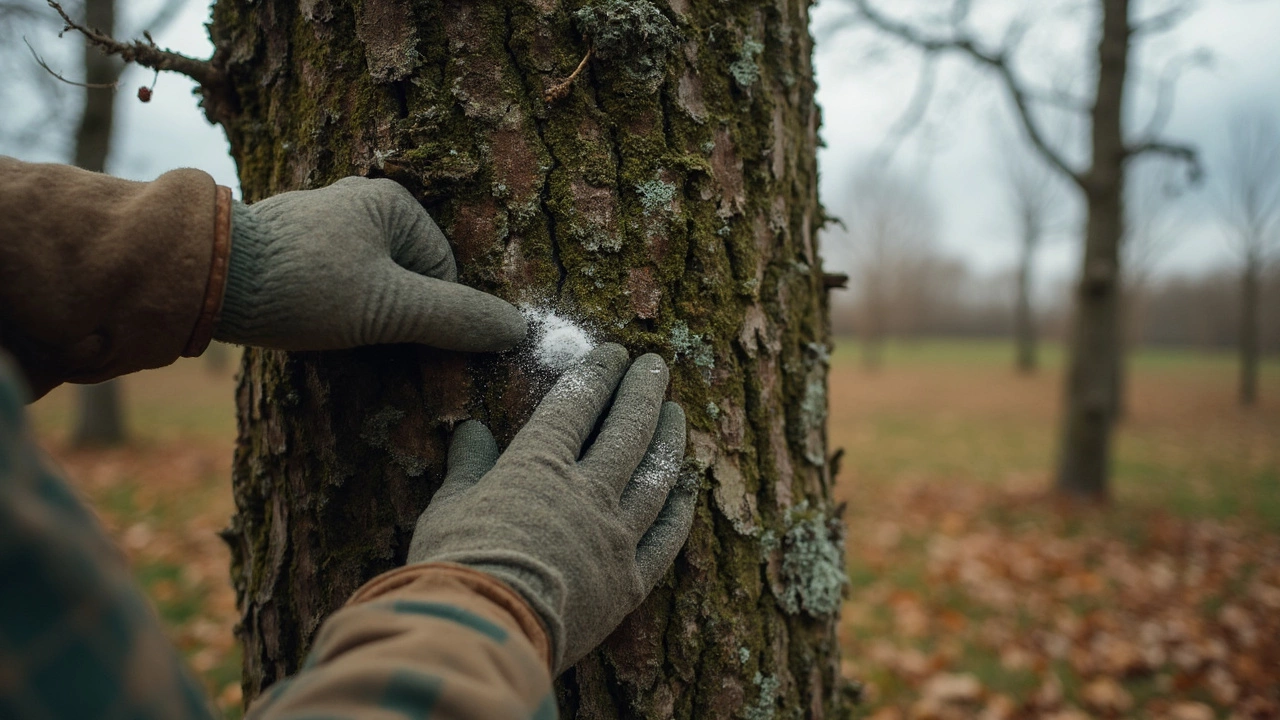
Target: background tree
x=1250, y=205
x=1084, y=460
x=1151, y=232
x=889, y=236
x=1036, y=203
x=99, y=409
x=666, y=198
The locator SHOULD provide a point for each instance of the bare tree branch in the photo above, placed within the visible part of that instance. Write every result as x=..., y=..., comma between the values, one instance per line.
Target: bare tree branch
x=911, y=115
x=1164, y=21
x=146, y=54
x=40, y=61
x=995, y=61
x=1167, y=87
x=1172, y=150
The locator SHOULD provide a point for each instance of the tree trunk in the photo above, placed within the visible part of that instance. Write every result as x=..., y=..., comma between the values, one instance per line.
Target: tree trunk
x=1084, y=465
x=669, y=200
x=1024, y=324
x=99, y=416
x=1250, y=284
x=99, y=410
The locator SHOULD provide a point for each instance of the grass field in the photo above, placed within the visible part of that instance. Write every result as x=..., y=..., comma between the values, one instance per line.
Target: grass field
x=972, y=592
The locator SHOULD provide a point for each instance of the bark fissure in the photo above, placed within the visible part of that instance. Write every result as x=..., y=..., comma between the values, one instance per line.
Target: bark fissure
x=672, y=222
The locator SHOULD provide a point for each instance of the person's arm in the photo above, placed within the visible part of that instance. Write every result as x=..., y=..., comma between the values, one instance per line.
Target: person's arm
x=522, y=563
x=433, y=641
x=101, y=276
x=77, y=637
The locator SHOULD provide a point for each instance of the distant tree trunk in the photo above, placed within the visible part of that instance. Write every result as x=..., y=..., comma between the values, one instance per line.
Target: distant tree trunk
x=1085, y=459
x=669, y=201
x=99, y=416
x=216, y=358
x=1250, y=293
x=99, y=408
x=1024, y=324
x=1085, y=462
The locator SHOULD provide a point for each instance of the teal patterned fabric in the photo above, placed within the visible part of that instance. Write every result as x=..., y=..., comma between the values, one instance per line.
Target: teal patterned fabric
x=77, y=638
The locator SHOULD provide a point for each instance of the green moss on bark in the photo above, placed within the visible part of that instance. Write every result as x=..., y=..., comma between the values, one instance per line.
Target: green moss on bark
x=670, y=201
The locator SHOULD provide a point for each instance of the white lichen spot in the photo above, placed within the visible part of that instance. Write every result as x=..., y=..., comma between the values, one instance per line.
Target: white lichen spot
x=744, y=70
x=693, y=347
x=656, y=195
x=766, y=704
x=813, y=576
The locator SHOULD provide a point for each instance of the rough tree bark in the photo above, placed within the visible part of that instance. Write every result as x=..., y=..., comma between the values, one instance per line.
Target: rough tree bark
x=99, y=410
x=669, y=200
x=1084, y=464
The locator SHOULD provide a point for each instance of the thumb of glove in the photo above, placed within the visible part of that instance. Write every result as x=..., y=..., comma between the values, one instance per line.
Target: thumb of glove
x=405, y=307
x=472, y=453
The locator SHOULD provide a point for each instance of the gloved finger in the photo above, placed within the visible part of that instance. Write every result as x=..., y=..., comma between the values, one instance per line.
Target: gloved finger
x=404, y=307
x=647, y=490
x=416, y=242
x=565, y=417
x=660, y=545
x=628, y=428
x=472, y=453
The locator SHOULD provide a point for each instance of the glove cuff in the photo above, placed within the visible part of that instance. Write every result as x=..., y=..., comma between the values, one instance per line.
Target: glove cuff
x=239, y=320
x=540, y=586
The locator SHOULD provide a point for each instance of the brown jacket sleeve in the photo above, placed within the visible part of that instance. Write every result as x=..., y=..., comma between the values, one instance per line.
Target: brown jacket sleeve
x=100, y=276
x=436, y=640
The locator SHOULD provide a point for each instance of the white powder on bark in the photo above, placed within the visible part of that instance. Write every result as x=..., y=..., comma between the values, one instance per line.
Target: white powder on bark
x=558, y=341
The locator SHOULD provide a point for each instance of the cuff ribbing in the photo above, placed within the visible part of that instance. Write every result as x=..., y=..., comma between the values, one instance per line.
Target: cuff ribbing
x=219, y=265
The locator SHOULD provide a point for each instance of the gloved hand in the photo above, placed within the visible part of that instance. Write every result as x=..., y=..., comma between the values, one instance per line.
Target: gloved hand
x=357, y=263
x=582, y=533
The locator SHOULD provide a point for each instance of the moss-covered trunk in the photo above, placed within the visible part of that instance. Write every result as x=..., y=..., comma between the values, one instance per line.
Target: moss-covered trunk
x=669, y=200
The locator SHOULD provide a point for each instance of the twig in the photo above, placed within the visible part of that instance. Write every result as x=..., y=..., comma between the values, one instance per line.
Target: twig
x=40, y=61
x=146, y=54
x=560, y=90
x=1175, y=151
x=220, y=102
x=997, y=61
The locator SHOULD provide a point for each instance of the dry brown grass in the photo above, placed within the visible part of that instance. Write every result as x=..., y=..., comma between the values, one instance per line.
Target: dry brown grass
x=948, y=455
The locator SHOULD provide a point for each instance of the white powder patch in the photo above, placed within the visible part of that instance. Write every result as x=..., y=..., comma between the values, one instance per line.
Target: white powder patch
x=558, y=342
x=659, y=469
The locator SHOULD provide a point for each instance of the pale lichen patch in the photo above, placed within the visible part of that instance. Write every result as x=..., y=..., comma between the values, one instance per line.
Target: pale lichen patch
x=812, y=571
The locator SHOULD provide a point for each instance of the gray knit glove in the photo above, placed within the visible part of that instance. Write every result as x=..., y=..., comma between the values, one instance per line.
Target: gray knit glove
x=357, y=263
x=582, y=531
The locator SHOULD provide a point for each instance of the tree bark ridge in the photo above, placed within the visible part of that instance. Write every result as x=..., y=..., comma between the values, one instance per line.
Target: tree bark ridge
x=668, y=202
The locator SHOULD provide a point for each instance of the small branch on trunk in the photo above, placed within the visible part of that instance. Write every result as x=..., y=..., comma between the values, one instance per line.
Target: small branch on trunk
x=146, y=54
x=835, y=281
x=220, y=102
x=40, y=61
x=560, y=90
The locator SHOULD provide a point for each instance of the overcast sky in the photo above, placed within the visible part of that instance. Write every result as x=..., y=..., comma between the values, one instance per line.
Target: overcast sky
x=864, y=85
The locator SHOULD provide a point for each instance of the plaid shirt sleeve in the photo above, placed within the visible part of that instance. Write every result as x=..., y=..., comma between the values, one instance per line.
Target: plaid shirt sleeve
x=435, y=640
x=77, y=638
